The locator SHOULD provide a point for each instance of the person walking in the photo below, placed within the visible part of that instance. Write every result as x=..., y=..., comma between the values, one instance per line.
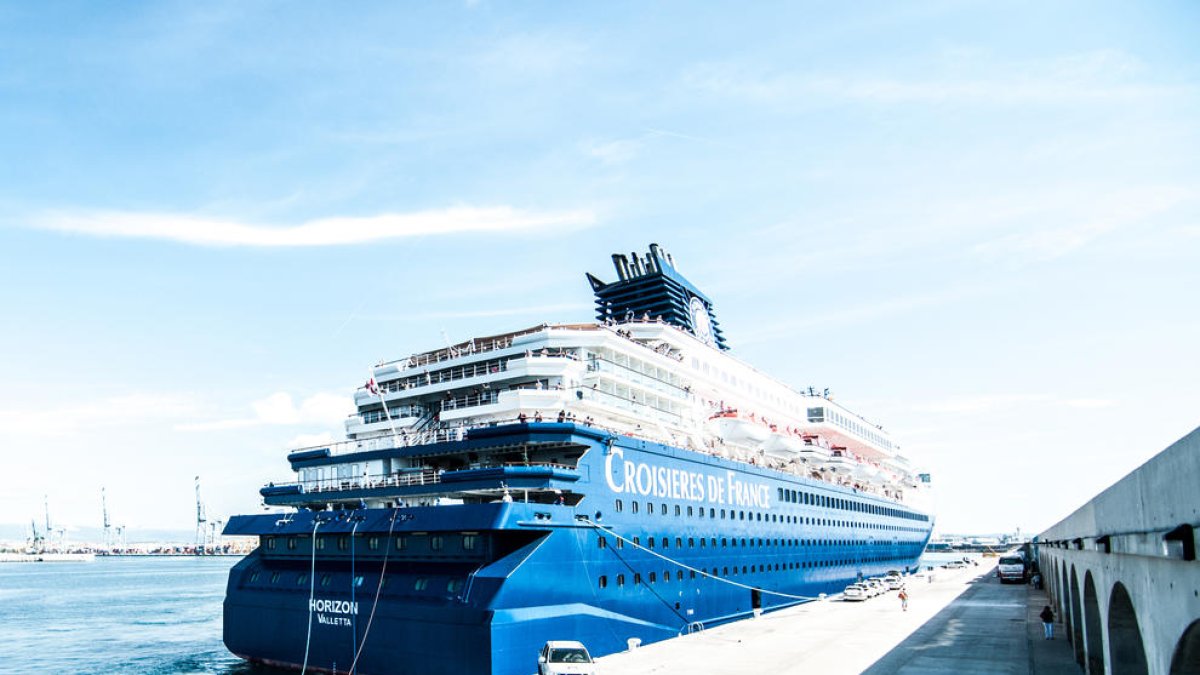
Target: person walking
x=903, y=600
x=1047, y=617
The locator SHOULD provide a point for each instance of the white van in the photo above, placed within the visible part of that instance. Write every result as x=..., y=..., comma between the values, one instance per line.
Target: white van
x=1011, y=568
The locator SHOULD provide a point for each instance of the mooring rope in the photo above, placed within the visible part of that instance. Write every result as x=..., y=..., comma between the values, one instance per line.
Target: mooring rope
x=807, y=598
x=378, y=590
x=312, y=594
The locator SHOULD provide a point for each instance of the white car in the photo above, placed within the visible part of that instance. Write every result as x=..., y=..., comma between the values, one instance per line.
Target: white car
x=565, y=657
x=855, y=593
x=894, y=582
x=877, y=586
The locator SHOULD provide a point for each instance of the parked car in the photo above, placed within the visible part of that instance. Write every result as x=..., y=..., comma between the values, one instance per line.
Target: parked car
x=877, y=586
x=1011, y=568
x=855, y=593
x=894, y=582
x=565, y=657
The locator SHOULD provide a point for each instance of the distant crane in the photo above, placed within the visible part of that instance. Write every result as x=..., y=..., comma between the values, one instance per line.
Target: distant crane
x=37, y=543
x=107, y=526
x=201, y=519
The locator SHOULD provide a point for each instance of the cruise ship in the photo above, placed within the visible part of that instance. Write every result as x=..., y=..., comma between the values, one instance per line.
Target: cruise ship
x=617, y=483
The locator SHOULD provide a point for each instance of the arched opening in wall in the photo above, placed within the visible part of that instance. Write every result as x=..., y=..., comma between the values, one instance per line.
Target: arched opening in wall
x=1076, y=629
x=1091, y=620
x=1064, y=600
x=1126, y=653
x=1186, y=660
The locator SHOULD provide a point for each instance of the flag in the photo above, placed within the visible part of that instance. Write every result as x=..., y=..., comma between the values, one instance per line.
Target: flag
x=372, y=387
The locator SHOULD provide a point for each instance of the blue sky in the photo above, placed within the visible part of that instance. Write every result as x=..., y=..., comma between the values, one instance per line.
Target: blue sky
x=977, y=224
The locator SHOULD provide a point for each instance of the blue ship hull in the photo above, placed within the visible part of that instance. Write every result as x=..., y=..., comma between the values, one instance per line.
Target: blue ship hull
x=663, y=541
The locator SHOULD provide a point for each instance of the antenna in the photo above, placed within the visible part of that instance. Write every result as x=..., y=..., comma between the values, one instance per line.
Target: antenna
x=46, y=502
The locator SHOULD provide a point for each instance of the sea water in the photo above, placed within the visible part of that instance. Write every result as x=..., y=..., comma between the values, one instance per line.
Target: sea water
x=116, y=615
x=141, y=615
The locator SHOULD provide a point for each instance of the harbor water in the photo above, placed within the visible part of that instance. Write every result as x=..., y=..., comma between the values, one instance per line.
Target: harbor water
x=116, y=615
x=146, y=615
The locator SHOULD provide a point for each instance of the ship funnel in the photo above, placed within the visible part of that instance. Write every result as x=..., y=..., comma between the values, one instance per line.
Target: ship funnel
x=622, y=266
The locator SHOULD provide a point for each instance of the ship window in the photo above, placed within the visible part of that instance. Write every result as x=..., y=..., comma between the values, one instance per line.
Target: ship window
x=302, y=579
x=703, y=542
x=666, y=543
x=637, y=578
x=401, y=543
x=603, y=581
x=435, y=543
x=724, y=542
x=601, y=542
x=620, y=581
x=373, y=543
x=291, y=543
x=679, y=575
x=780, y=494
x=653, y=577
x=254, y=577
x=649, y=508
x=725, y=571
x=619, y=506
x=325, y=579
x=690, y=512
x=358, y=581
x=692, y=542
x=722, y=513
x=650, y=542
x=666, y=576
x=637, y=541
x=270, y=543
x=320, y=543
x=620, y=543
x=469, y=542
x=274, y=577
x=712, y=513
x=343, y=543
x=678, y=542
x=633, y=506
x=420, y=584
x=678, y=510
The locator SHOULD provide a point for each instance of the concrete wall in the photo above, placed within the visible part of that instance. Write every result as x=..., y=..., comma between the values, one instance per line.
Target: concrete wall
x=1117, y=540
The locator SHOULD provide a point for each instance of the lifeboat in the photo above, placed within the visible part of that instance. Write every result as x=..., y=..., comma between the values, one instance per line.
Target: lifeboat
x=782, y=446
x=811, y=450
x=735, y=428
x=839, y=462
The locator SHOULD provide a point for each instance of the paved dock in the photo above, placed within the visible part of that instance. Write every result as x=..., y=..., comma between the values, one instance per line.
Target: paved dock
x=963, y=621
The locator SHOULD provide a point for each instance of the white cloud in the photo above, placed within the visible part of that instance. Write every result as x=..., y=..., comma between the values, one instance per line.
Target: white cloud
x=191, y=229
x=280, y=409
x=1085, y=218
x=309, y=440
x=1089, y=76
x=613, y=152
x=988, y=403
x=116, y=411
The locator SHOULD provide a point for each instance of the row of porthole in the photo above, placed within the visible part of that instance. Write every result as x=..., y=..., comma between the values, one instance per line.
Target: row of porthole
x=325, y=580
x=652, y=577
x=731, y=514
x=437, y=542
x=602, y=542
x=825, y=501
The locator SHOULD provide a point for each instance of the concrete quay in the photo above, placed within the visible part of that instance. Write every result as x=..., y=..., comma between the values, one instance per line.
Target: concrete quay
x=964, y=621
